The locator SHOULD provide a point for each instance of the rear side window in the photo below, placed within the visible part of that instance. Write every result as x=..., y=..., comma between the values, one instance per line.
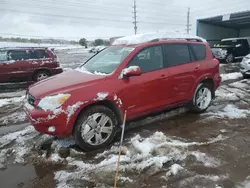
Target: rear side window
x=18, y=55
x=38, y=54
x=177, y=54
x=199, y=51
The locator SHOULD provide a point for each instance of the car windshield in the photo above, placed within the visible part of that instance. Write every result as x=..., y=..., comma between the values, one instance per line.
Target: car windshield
x=228, y=43
x=108, y=60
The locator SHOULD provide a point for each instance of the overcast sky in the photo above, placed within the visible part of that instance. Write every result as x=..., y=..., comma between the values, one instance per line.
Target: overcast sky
x=73, y=19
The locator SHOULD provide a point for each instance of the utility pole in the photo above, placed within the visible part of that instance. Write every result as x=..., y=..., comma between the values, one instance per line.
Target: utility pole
x=135, y=17
x=188, y=21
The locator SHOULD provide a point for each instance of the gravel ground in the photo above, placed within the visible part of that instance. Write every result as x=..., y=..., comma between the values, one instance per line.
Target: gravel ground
x=174, y=149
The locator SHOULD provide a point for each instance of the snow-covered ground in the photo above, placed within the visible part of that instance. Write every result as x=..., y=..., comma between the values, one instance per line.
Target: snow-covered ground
x=175, y=149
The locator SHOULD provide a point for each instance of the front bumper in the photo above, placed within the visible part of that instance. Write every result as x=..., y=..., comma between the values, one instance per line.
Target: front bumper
x=57, y=71
x=44, y=120
x=245, y=67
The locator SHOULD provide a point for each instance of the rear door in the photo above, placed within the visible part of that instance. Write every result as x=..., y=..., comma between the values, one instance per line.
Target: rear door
x=183, y=71
x=19, y=67
x=144, y=93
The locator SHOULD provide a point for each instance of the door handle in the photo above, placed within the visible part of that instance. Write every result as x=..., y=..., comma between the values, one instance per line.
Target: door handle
x=163, y=75
x=197, y=67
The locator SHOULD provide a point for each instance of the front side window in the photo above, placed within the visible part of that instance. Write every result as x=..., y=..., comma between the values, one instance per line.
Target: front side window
x=177, y=54
x=3, y=56
x=107, y=60
x=149, y=59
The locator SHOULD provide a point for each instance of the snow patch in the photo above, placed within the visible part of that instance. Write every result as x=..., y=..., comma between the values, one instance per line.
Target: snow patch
x=231, y=76
x=7, y=101
x=101, y=96
x=174, y=169
x=232, y=112
x=223, y=95
x=72, y=109
x=206, y=160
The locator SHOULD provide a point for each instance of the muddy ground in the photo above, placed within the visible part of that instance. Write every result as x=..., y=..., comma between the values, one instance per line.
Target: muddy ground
x=174, y=149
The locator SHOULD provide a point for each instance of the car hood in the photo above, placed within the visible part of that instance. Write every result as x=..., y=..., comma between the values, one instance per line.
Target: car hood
x=64, y=82
x=223, y=46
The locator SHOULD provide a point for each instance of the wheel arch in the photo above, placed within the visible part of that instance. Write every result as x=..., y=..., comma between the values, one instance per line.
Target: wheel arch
x=210, y=82
x=107, y=103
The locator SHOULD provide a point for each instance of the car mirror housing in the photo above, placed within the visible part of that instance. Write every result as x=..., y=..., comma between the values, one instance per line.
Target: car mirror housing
x=131, y=71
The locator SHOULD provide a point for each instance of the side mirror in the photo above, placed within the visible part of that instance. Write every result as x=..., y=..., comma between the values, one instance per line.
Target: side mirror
x=238, y=45
x=131, y=71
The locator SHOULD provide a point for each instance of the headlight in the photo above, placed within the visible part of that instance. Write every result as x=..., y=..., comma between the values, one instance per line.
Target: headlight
x=53, y=102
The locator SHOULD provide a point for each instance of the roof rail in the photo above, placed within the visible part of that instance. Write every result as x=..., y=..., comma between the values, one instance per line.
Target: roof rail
x=23, y=47
x=187, y=39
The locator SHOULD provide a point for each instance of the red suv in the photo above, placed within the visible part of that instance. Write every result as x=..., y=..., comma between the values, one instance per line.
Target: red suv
x=27, y=64
x=89, y=102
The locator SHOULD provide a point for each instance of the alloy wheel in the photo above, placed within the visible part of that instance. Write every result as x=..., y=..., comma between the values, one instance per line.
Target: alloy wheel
x=97, y=129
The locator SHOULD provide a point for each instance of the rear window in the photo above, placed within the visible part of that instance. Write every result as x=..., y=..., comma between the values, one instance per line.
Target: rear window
x=38, y=54
x=199, y=51
x=177, y=54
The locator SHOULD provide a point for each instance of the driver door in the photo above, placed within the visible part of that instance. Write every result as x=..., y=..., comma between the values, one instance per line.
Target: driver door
x=142, y=94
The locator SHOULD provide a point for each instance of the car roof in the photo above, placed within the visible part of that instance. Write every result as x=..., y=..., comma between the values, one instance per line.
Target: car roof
x=162, y=37
x=161, y=41
x=228, y=39
x=24, y=48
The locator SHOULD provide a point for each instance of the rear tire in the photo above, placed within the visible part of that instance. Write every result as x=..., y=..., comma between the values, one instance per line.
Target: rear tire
x=245, y=76
x=202, y=98
x=41, y=75
x=95, y=128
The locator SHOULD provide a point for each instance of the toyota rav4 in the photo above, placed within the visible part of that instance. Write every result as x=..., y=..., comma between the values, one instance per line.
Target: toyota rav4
x=138, y=76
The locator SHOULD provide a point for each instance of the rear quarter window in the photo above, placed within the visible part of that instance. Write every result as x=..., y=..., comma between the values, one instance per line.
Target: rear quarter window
x=199, y=51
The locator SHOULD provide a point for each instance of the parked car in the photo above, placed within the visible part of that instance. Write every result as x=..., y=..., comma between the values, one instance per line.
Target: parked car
x=142, y=78
x=27, y=64
x=231, y=49
x=97, y=49
x=245, y=66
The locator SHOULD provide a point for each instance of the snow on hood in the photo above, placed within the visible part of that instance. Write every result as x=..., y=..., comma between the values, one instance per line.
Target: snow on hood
x=63, y=83
x=142, y=38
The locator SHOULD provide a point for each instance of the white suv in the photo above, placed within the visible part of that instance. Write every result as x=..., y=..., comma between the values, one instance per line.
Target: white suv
x=245, y=66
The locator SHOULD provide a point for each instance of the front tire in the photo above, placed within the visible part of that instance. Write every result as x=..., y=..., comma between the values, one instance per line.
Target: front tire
x=202, y=98
x=230, y=58
x=95, y=128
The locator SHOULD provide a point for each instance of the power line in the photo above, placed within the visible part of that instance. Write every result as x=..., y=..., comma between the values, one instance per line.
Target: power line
x=88, y=18
x=74, y=9
x=135, y=17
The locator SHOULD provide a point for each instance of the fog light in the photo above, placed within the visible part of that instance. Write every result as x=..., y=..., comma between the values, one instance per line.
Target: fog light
x=51, y=129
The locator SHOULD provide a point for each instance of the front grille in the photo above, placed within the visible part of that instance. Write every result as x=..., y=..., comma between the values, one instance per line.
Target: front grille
x=31, y=99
